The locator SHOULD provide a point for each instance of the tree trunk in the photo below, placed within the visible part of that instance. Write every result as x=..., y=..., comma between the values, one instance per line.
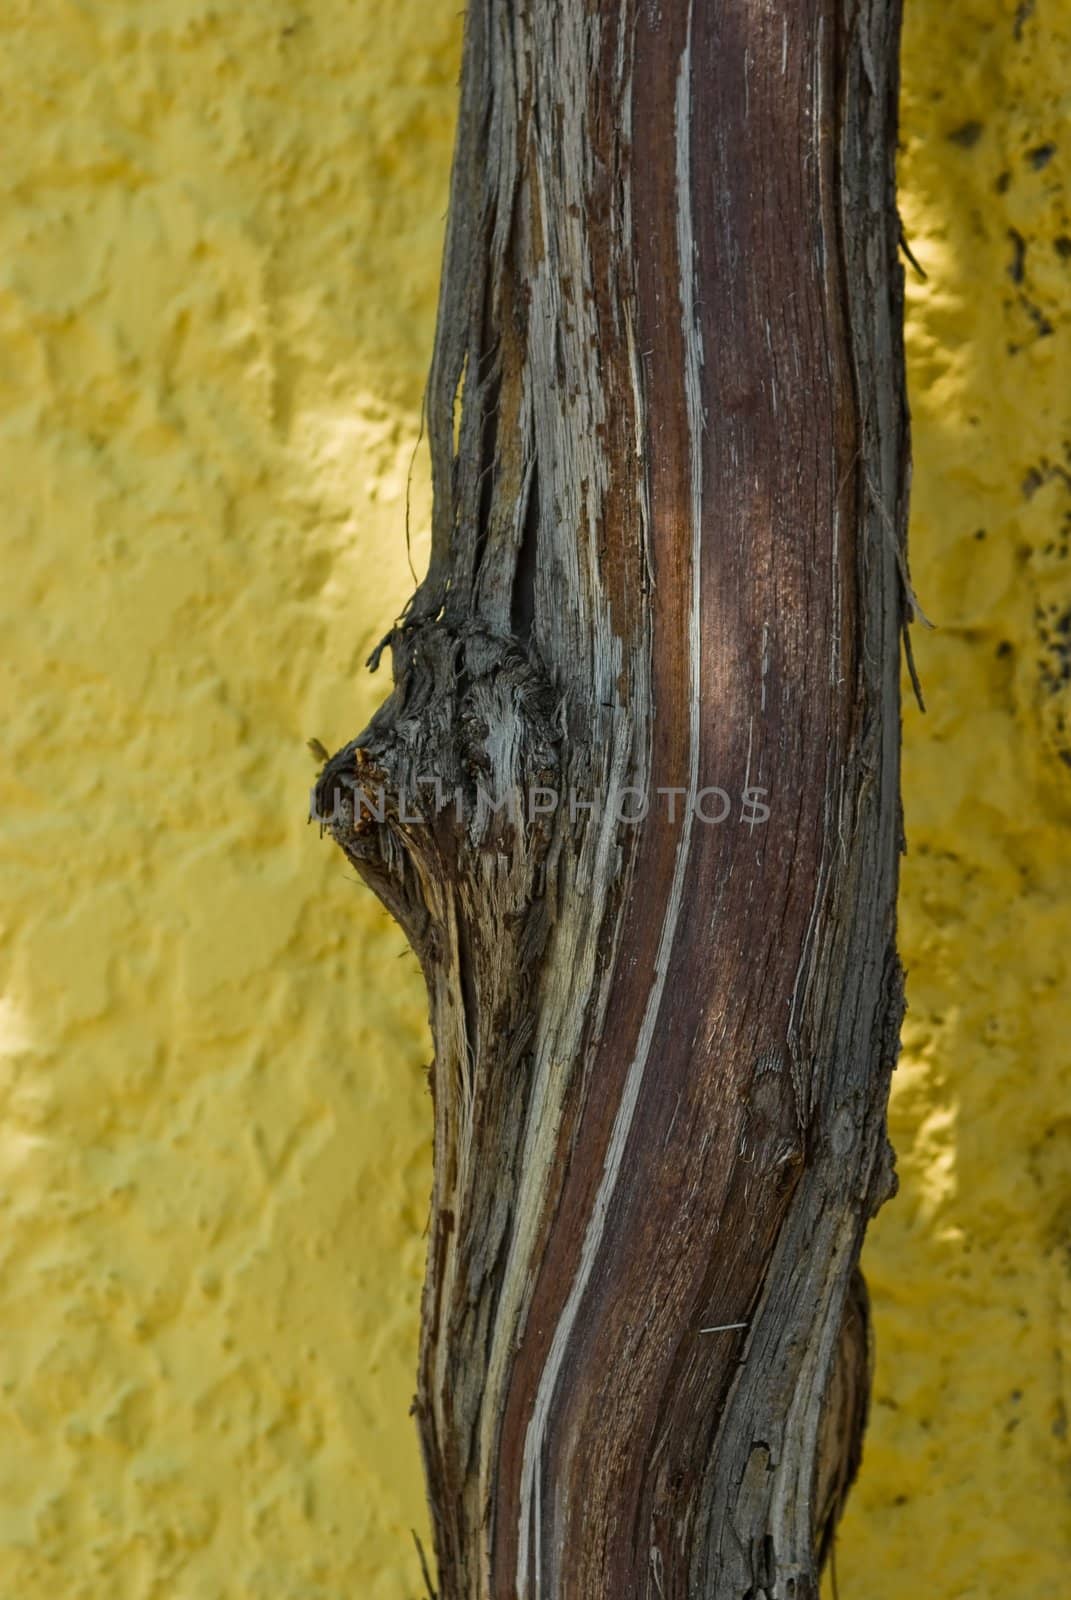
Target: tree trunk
x=669, y=446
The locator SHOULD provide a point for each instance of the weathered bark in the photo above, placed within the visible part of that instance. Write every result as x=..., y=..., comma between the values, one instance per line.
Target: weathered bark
x=667, y=553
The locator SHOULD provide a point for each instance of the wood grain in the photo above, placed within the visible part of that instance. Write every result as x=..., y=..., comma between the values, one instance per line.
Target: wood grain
x=669, y=444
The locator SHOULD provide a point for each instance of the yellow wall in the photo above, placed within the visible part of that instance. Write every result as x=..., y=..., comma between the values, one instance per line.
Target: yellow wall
x=965, y=1488
x=220, y=241
x=221, y=233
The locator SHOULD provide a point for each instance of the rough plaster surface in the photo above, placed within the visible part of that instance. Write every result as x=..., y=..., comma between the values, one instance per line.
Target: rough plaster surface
x=964, y=1491
x=220, y=241
x=221, y=230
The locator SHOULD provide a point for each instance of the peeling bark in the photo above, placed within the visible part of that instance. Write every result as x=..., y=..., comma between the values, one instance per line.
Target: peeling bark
x=669, y=445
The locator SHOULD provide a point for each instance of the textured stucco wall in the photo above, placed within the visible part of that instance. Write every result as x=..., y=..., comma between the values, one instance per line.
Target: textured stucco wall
x=221, y=232
x=965, y=1488
x=219, y=243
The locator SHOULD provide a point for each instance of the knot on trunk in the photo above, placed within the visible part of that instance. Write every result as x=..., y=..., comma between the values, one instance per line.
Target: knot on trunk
x=447, y=768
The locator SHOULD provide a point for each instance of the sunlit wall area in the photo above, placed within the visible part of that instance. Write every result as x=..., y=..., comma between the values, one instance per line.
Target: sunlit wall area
x=221, y=228
x=219, y=250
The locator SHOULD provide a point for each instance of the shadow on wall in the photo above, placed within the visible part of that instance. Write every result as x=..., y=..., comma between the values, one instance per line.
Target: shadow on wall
x=964, y=1488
